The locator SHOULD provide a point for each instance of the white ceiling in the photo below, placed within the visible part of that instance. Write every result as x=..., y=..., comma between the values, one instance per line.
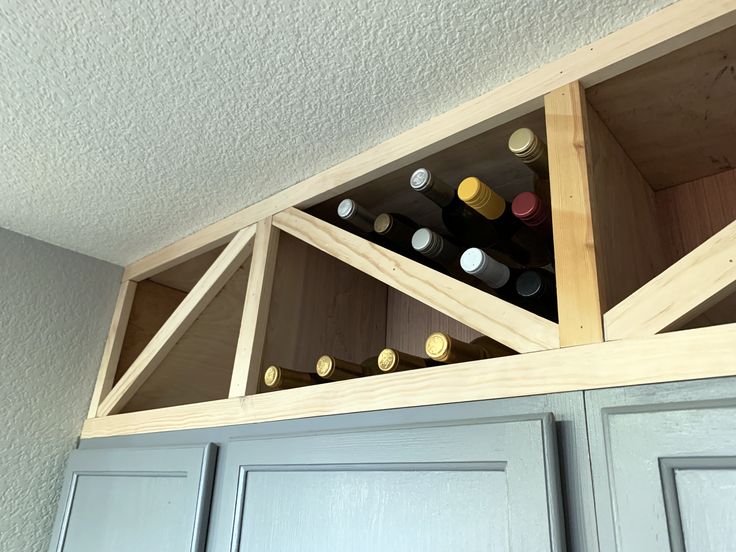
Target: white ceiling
x=125, y=125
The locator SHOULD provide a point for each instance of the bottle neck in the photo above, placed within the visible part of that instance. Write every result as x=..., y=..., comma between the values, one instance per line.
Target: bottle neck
x=480, y=264
x=392, y=360
x=395, y=228
x=276, y=377
x=425, y=182
x=334, y=369
x=529, y=208
x=444, y=348
x=356, y=215
x=432, y=245
x=531, y=150
x=481, y=198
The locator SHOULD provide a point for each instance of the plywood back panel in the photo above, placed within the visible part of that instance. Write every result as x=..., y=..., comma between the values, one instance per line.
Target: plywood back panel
x=689, y=214
x=624, y=218
x=320, y=305
x=676, y=116
x=152, y=305
x=409, y=323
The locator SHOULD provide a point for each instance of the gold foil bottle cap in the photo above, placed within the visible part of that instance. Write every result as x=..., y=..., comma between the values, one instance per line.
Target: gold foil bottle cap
x=325, y=366
x=272, y=376
x=481, y=197
x=387, y=360
x=383, y=223
x=526, y=145
x=437, y=346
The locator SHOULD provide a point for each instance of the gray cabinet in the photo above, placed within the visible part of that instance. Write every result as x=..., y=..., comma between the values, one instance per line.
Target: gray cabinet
x=122, y=500
x=485, y=484
x=664, y=466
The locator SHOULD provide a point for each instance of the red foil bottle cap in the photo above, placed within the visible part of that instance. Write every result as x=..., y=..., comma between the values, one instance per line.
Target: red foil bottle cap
x=530, y=209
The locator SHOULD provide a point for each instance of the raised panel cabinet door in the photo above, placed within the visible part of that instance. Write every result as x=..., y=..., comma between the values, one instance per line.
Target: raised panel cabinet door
x=135, y=500
x=664, y=466
x=479, y=485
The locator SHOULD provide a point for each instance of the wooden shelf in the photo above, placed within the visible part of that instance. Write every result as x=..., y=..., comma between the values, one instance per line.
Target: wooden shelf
x=655, y=359
x=641, y=128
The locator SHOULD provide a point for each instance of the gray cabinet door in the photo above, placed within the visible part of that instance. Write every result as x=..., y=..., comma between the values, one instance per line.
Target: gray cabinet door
x=664, y=466
x=479, y=485
x=123, y=500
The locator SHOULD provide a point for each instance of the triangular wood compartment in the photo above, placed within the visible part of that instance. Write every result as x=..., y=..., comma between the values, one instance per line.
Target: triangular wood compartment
x=181, y=332
x=321, y=305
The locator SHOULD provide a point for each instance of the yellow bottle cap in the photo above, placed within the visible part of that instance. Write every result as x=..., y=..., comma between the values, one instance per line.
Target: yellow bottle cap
x=272, y=376
x=387, y=360
x=325, y=366
x=437, y=346
x=481, y=197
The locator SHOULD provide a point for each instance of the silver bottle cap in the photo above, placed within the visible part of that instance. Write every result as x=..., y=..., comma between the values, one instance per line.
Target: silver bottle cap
x=427, y=242
x=346, y=209
x=421, y=179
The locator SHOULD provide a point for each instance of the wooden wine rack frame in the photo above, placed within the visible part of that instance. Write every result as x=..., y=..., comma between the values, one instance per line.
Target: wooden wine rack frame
x=609, y=323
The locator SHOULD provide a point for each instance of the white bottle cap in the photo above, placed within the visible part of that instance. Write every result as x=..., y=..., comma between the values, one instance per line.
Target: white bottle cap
x=484, y=267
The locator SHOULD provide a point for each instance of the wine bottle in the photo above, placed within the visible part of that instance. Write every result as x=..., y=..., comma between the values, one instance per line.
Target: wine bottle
x=480, y=196
x=395, y=228
x=437, y=248
x=467, y=227
x=528, y=147
x=393, y=360
x=446, y=349
x=491, y=272
x=360, y=217
x=336, y=369
x=396, y=231
x=537, y=292
x=276, y=377
x=531, y=210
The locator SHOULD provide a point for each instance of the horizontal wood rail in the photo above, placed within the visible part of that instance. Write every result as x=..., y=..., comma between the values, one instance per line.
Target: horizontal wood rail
x=662, y=358
x=672, y=27
x=686, y=289
x=217, y=275
x=502, y=321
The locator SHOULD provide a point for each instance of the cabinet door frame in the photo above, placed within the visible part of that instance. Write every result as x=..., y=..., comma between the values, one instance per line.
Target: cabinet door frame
x=194, y=463
x=514, y=437
x=656, y=399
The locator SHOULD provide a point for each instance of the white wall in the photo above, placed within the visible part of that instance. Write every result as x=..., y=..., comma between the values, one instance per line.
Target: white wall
x=55, y=308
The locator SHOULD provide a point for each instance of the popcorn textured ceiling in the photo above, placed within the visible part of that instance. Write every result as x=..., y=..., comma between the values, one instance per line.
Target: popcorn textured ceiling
x=127, y=125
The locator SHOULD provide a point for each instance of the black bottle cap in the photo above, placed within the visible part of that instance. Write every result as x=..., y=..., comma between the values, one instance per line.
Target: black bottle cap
x=529, y=284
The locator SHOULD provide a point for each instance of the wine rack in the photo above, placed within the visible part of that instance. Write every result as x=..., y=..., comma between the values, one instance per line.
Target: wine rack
x=642, y=143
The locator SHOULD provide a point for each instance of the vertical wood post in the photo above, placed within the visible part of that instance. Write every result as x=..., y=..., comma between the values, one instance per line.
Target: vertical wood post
x=113, y=346
x=576, y=267
x=247, y=366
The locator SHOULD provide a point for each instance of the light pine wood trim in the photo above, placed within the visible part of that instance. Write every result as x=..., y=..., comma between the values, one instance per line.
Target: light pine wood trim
x=246, y=370
x=661, y=358
x=180, y=320
x=502, y=321
x=688, y=288
x=578, y=299
x=113, y=345
x=660, y=33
